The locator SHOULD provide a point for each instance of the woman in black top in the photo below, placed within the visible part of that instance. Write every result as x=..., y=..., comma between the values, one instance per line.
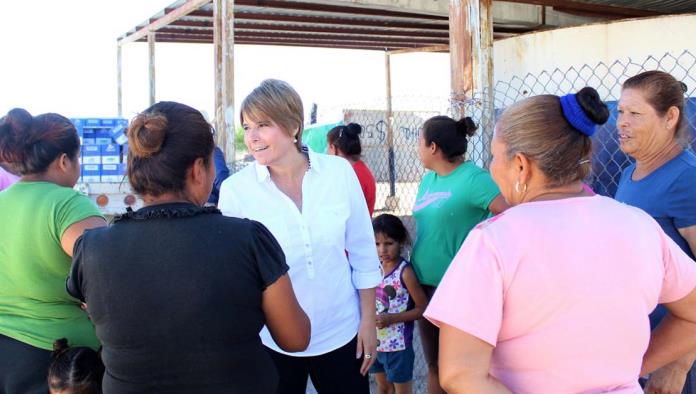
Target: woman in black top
x=178, y=293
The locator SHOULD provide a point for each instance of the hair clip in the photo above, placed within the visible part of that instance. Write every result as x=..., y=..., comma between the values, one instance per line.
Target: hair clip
x=586, y=161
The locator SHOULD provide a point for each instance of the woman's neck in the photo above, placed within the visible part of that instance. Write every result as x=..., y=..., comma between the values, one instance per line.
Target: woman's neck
x=574, y=189
x=444, y=167
x=47, y=176
x=166, y=198
x=351, y=159
x=650, y=162
x=293, y=166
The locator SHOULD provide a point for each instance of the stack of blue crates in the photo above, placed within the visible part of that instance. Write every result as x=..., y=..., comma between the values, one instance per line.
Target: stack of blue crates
x=104, y=149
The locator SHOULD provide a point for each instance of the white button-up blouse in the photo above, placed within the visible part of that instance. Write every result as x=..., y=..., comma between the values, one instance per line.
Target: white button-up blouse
x=329, y=245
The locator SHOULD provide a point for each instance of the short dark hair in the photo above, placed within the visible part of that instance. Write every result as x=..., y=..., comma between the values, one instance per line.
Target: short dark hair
x=392, y=227
x=76, y=369
x=31, y=143
x=346, y=139
x=449, y=135
x=164, y=141
x=662, y=91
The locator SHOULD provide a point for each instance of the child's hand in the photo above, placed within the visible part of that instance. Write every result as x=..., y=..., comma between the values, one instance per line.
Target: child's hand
x=384, y=320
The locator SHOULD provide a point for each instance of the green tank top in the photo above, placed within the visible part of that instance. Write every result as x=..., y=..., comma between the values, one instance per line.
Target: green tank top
x=446, y=209
x=34, y=306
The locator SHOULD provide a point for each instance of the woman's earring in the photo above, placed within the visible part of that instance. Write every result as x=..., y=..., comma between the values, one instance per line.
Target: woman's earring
x=517, y=188
x=294, y=140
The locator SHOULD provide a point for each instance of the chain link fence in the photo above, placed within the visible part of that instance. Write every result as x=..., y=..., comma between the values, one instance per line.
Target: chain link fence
x=391, y=131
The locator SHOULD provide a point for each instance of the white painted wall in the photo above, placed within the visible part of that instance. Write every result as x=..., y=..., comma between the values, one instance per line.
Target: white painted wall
x=591, y=44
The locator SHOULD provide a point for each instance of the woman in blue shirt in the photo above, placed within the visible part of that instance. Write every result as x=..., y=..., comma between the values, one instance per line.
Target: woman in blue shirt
x=662, y=181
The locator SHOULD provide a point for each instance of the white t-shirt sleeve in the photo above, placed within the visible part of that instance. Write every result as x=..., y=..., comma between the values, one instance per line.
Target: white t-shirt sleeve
x=470, y=296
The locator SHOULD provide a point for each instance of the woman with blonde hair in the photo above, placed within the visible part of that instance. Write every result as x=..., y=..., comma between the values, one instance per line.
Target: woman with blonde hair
x=553, y=295
x=313, y=205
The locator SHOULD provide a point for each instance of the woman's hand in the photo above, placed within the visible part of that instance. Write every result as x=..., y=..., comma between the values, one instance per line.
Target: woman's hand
x=367, y=332
x=367, y=344
x=666, y=380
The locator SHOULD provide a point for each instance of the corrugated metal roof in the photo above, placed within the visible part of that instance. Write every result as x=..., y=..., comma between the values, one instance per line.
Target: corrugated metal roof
x=352, y=25
x=662, y=6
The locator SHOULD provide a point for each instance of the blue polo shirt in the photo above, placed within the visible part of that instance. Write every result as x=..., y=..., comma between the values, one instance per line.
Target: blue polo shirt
x=668, y=194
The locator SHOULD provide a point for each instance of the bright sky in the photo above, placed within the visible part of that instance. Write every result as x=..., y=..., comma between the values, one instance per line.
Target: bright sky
x=60, y=56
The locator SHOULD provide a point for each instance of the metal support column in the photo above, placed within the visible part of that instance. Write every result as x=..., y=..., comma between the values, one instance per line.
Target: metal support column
x=151, y=57
x=223, y=37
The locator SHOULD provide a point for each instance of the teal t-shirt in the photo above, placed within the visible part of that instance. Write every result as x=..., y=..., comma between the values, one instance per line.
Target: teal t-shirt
x=34, y=305
x=447, y=208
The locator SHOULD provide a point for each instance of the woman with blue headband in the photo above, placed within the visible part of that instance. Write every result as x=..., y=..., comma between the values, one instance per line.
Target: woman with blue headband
x=553, y=295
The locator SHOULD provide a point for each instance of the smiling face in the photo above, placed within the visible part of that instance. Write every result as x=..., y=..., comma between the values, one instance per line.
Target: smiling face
x=267, y=141
x=641, y=129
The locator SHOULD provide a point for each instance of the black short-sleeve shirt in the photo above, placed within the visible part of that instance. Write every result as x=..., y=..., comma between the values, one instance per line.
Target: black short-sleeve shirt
x=174, y=292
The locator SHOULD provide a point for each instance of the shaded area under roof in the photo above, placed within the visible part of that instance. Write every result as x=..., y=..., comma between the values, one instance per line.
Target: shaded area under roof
x=357, y=26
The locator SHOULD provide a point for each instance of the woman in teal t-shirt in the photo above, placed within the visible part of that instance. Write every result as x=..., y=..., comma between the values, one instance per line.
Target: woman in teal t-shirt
x=41, y=218
x=453, y=197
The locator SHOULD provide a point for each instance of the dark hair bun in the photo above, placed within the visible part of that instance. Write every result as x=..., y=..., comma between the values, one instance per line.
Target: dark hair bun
x=60, y=346
x=684, y=87
x=592, y=105
x=19, y=120
x=466, y=126
x=353, y=129
x=14, y=135
x=146, y=134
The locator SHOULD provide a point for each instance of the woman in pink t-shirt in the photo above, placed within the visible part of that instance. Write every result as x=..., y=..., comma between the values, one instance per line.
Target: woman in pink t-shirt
x=553, y=295
x=6, y=178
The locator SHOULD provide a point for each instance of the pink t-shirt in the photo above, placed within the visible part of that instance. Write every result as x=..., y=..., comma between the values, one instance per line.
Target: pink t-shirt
x=6, y=179
x=563, y=290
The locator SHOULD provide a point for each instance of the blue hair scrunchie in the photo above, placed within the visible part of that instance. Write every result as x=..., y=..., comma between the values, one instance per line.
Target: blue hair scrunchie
x=575, y=115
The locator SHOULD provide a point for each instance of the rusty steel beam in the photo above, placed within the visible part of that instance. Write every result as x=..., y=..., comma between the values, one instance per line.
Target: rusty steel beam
x=461, y=67
x=208, y=37
x=371, y=47
x=245, y=26
x=482, y=53
x=224, y=76
x=578, y=6
x=309, y=41
x=241, y=16
x=241, y=25
x=338, y=37
x=373, y=34
x=432, y=48
x=338, y=9
x=187, y=8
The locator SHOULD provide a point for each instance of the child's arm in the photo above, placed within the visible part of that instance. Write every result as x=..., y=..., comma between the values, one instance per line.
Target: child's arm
x=417, y=294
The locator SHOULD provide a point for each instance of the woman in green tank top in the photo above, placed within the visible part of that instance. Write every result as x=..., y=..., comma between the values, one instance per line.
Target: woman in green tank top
x=41, y=218
x=453, y=197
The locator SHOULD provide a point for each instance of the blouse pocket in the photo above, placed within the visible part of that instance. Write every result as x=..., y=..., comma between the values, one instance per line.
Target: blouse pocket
x=333, y=230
